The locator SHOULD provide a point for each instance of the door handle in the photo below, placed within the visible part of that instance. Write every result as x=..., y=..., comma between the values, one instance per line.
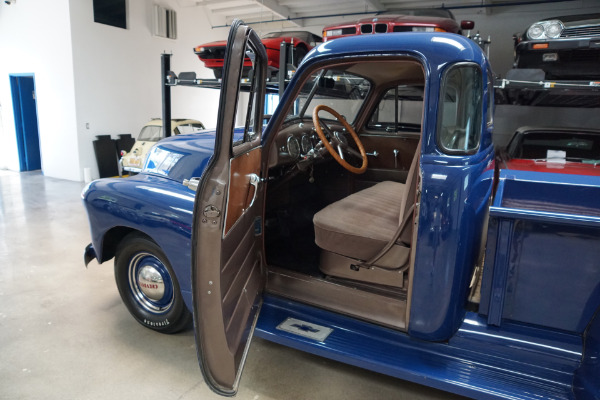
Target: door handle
x=396, y=151
x=254, y=180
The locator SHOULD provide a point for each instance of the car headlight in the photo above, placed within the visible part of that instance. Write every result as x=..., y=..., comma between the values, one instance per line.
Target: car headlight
x=545, y=30
x=334, y=32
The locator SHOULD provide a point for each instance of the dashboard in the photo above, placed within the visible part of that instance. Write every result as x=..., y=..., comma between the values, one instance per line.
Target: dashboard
x=298, y=142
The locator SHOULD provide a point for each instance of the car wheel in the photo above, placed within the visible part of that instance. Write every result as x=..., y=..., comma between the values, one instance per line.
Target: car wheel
x=148, y=286
x=218, y=73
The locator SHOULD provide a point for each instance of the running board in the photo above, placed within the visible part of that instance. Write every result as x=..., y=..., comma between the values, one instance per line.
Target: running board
x=453, y=367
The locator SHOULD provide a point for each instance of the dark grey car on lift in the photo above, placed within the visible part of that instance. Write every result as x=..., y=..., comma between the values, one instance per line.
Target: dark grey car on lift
x=566, y=48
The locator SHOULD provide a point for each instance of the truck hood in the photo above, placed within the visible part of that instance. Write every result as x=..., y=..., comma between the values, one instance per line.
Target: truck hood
x=181, y=157
x=184, y=156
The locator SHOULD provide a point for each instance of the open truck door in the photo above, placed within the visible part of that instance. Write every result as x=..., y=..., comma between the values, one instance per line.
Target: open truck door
x=227, y=272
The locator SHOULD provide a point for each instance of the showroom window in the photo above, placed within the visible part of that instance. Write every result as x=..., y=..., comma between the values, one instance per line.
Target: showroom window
x=459, y=120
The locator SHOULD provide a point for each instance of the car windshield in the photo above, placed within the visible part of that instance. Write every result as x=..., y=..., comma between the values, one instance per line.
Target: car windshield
x=189, y=128
x=340, y=90
x=299, y=34
x=150, y=133
x=563, y=145
x=423, y=12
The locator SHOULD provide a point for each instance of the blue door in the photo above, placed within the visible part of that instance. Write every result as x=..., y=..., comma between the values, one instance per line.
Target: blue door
x=26, y=123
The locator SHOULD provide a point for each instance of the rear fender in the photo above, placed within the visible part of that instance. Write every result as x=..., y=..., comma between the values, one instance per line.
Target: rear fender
x=586, y=384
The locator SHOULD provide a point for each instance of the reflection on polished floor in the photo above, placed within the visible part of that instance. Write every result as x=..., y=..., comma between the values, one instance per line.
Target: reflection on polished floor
x=65, y=334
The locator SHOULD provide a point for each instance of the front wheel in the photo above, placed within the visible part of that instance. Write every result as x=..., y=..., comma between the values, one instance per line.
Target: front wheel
x=148, y=286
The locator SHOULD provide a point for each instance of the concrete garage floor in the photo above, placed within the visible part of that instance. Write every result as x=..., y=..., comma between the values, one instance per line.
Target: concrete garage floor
x=65, y=334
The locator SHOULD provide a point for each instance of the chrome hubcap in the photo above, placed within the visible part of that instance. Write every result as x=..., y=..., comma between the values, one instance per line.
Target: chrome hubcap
x=151, y=282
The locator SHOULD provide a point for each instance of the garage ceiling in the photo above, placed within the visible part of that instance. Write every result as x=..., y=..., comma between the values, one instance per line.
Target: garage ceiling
x=295, y=12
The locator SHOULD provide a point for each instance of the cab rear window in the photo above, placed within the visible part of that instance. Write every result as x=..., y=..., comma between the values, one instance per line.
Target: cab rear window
x=399, y=110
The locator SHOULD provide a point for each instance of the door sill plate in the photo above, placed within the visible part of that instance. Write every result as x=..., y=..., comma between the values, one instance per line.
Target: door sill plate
x=305, y=329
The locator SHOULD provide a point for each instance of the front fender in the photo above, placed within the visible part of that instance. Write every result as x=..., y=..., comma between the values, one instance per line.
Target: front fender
x=156, y=206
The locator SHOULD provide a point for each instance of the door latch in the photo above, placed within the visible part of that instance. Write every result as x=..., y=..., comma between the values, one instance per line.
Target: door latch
x=211, y=211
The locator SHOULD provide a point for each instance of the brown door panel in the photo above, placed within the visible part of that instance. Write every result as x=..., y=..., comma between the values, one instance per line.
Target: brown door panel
x=385, y=146
x=241, y=191
x=388, y=165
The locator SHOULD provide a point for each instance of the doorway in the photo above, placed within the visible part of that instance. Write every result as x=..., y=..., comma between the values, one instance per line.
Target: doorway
x=26, y=121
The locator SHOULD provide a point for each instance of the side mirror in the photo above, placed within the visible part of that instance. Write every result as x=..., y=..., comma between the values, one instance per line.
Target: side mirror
x=467, y=24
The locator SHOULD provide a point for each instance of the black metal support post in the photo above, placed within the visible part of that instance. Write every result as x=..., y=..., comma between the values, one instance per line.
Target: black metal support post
x=281, y=74
x=165, y=67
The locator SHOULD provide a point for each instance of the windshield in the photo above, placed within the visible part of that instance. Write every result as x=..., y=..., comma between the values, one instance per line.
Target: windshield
x=299, y=34
x=340, y=90
x=150, y=134
x=189, y=128
x=423, y=12
x=558, y=145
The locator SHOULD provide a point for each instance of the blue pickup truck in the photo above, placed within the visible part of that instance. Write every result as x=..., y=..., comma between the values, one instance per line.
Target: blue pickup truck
x=368, y=222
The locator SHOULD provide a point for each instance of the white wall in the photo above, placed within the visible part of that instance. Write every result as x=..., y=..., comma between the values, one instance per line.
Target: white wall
x=35, y=38
x=116, y=84
x=117, y=72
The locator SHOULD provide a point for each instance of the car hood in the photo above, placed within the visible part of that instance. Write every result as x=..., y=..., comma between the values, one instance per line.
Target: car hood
x=571, y=168
x=218, y=43
x=183, y=156
x=577, y=20
x=275, y=42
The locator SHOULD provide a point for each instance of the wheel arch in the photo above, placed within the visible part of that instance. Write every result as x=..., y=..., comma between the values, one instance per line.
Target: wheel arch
x=113, y=237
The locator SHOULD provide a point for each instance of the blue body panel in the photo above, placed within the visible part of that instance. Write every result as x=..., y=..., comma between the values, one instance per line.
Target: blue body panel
x=478, y=361
x=510, y=350
x=453, y=209
x=542, y=257
x=156, y=206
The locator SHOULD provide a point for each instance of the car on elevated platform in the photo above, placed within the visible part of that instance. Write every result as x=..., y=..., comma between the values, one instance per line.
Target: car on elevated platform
x=368, y=223
x=407, y=20
x=565, y=48
x=213, y=53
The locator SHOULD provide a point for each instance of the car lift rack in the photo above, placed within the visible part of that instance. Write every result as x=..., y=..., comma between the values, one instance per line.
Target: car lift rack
x=580, y=94
x=189, y=79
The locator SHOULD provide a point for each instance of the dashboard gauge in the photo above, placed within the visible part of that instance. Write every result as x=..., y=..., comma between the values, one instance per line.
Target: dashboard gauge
x=293, y=147
x=306, y=144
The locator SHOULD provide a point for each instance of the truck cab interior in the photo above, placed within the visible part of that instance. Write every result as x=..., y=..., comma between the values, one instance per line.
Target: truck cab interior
x=339, y=214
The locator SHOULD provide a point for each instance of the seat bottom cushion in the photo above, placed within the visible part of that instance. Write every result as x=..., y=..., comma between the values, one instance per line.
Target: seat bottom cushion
x=360, y=225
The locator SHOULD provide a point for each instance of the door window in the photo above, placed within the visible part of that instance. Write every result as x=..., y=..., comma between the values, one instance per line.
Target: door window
x=250, y=102
x=459, y=120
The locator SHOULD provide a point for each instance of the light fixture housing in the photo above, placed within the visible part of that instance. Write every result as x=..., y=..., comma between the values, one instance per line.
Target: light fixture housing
x=544, y=30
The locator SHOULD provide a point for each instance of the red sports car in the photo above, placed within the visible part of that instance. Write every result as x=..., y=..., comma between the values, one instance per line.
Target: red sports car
x=212, y=54
x=558, y=150
x=419, y=20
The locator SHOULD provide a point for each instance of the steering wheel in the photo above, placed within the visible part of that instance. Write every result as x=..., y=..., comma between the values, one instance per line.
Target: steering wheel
x=339, y=142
